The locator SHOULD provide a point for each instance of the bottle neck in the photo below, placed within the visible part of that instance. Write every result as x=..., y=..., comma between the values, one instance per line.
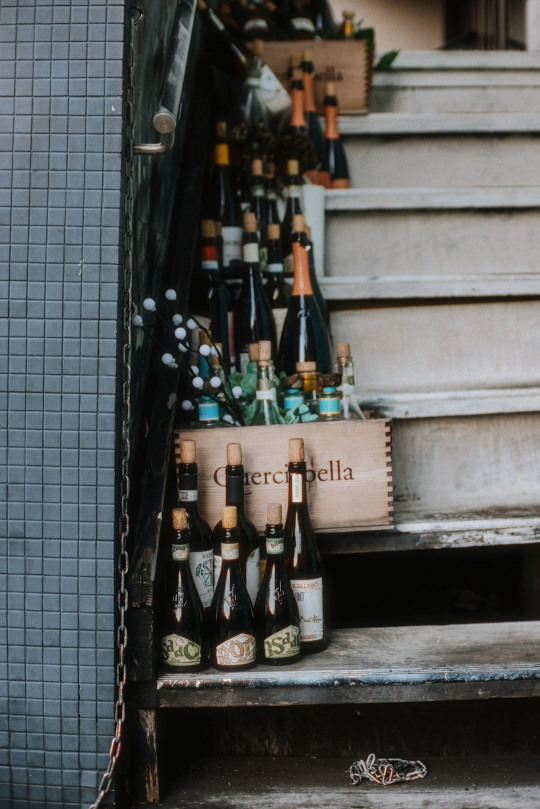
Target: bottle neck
x=330, y=115
x=234, y=487
x=188, y=487
x=297, y=483
x=298, y=118
x=208, y=410
x=265, y=382
x=221, y=154
x=275, y=257
x=345, y=367
x=309, y=97
x=302, y=281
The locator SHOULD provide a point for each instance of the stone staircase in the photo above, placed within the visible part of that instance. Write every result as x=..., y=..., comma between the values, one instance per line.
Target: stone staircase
x=432, y=271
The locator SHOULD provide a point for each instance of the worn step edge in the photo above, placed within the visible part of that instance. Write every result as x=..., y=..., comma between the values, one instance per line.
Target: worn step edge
x=432, y=199
x=390, y=287
x=462, y=60
x=462, y=123
x=442, y=404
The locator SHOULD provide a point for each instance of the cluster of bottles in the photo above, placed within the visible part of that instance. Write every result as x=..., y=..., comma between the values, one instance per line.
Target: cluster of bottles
x=226, y=603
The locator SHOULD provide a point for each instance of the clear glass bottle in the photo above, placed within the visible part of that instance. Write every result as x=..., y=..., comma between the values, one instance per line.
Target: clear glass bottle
x=208, y=414
x=277, y=620
x=350, y=408
x=330, y=404
x=308, y=372
x=266, y=409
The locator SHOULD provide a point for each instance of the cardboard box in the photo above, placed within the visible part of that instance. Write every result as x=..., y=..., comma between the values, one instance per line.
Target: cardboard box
x=347, y=63
x=349, y=471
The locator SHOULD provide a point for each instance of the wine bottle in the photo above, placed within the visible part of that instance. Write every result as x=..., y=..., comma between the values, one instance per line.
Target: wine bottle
x=183, y=627
x=277, y=620
x=335, y=162
x=329, y=404
x=302, y=559
x=225, y=53
x=259, y=208
x=308, y=372
x=346, y=29
x=319, y=297
x=301, y=22
x=277, y=290
x=266, y=409
x=297, y=125
x=305, y=335
x=253, y=319
x=311, y=116
x=226, y=206
x=293, y=208
x=350, y=408
x=233, y=645
x=294, y=398
x=201, y=546
x=271, y=193
x=249, y=538
x=215, y=295
x=256, y=24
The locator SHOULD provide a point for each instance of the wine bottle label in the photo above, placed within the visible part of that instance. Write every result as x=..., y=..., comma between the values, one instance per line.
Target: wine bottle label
x=302, y=281
x=202, y=570
x=272, y=93
x=230, y=550
x=232, y=244
x=309, y=597
x=221, y=154
x=296, y=487
x=180, y=552
x=250, y=253
x=276, y=267
x=252, y=574
x=188, y=495
x=208, y=411
x=267, y=395
x=257, y=191
x=303, y=24
x=285, y=643
x=329, y=406
x=275, y=545
x=236, y=651
x=279, y=319
x=179, y=651
x=209, y=264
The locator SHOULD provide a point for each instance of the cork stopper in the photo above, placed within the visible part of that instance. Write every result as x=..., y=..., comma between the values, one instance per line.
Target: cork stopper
x=188, y=451
x=179, y=518
x=253, y=352
x=229, y=517
x=234, y=454
x=274, y=231
x=343, y=350
x=256, y=167
x=296, y=450
x=330, y=89
x=307, y=56
x=221, y=129
x=306, y=367
x=348, y=15
x=293, y=167
x=257, y=46
x=208, y=229
x=265, y=351
x=250, y=222
x=274, y=514
x=299, y=223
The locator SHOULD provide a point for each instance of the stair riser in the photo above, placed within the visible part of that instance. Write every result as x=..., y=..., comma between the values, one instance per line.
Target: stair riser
x=432, y=242
x=447, y=347
x=443, y=161
x=471, y=464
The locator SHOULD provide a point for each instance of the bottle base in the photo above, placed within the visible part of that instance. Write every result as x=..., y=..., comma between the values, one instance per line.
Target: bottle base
x=314, y=646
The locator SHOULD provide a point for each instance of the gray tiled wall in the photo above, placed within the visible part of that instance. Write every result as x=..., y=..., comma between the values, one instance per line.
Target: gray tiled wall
x=61, y=67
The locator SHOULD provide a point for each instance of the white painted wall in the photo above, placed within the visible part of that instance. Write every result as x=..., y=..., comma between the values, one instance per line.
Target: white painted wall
x=399, y=24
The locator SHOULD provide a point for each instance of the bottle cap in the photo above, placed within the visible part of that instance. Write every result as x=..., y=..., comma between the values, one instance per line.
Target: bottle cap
x=329, y=389
x=188, y=451
x=221, y=129
x=265, y=351
x=348, y=15
x=250, y=222
x=274, y=514
x=307, y=57
x=229, y=517
x=274, y=231
x=296, y=450
x=330, y=89
x=208, y=229
x=256, y=167
x=306, y=367
x=343, y=350
x=257, y=46
x=179, y=518
x=299, y=223
x=234, y=454
x=293, y=167
x=253, y=352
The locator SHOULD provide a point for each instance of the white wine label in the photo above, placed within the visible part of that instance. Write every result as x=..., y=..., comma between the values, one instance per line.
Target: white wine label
x=296, y=487
x=273, y=94
x=232, y=244
x=269, y=395
x=202, y=570
x=275, y=545
x=303, y=24
x=279, y=319
x=309, y=596
x=217, y=569
x=188, y=495
x=236, y=651
x=285, y=643
x=180, y=552
x=252, y=574
x=250, y=253
x=179, y=651
x=230, y=550
x=275, y=267
x=208, y=411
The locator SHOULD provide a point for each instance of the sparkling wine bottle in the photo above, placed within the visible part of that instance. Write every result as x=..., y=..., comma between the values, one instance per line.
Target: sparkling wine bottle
x=335, y=162
x=201, y=546
x=302, y=559
x=232, y=636
x=311, y=116
x=305, y=335
x=225, y=205
x=249, y=538
x=293, y=208
x=183, y=628
x=271, y=193
x=277, y=620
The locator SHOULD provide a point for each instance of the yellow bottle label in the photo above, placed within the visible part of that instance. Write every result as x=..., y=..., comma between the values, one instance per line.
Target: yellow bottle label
x=285, y=643
x=179, y=651
x=221, y=154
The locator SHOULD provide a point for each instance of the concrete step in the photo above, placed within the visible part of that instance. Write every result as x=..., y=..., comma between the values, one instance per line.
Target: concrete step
x=467, y=233
x=466, y=81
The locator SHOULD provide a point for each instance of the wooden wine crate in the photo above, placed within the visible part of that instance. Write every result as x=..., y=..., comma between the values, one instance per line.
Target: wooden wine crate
x=349, y=471
x=347, y=63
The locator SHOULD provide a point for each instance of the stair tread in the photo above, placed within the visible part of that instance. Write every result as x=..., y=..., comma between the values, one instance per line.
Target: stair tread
x=462, y=60
x=405, y=287
x=459, y=198
x=426, y=123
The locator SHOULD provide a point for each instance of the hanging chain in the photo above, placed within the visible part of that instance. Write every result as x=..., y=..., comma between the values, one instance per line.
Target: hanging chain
x=123, y=558
x=386, y=771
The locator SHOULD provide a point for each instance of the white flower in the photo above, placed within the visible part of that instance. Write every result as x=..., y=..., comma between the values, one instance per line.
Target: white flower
x=228, y=419
x=182, y=347
x=191, y=324
x=177, y=319
x=136, y=321
x=215, y=381
x=237, y=391
x=187, y=405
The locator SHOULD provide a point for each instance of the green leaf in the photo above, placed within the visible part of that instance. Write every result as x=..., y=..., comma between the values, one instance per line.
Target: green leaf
x=386, y=60
x=309, y=417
